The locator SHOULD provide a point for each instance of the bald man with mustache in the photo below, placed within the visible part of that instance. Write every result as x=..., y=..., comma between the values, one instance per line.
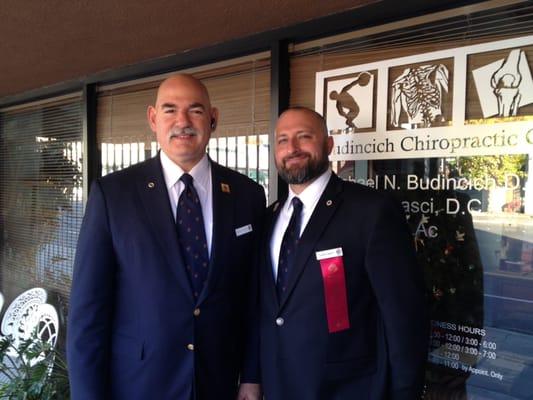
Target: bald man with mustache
x=159, y=307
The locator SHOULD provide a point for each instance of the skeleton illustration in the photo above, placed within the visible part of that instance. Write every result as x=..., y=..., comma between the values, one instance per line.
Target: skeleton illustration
x=505, y=83
x=418, y=92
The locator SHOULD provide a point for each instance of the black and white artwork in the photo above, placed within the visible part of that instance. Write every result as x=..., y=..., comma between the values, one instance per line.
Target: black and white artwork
x=350, y=102
x=417, y=94
x=505, y=85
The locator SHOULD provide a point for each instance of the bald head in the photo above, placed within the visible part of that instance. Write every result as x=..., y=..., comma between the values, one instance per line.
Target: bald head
x=182, y=82
x=309, y=114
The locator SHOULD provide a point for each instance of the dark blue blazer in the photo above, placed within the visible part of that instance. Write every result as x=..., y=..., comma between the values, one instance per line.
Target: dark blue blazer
x=382, y=354
x=132, y=313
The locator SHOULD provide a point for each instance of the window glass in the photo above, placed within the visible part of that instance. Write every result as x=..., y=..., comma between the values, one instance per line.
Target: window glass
x=441, y=115
x=40, y=198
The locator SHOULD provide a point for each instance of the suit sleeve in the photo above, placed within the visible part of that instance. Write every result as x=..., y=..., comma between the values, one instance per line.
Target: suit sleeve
x=398, y=284
x=91, y=304
x=250, y=372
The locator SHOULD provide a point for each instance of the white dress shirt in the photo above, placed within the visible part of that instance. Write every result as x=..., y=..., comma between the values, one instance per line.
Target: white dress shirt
x=309, y=198
x=201, y=174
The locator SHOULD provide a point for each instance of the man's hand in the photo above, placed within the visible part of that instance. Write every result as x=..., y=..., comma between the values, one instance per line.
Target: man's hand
x=249, y=391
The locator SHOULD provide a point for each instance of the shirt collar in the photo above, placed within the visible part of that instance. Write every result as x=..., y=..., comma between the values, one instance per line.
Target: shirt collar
x=173, y=172
x=311, y=193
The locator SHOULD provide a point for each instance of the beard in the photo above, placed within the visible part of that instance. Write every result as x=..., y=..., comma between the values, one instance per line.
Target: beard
x=308, y=172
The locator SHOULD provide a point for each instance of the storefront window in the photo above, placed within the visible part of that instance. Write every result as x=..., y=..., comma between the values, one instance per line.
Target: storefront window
x=41, y=205
x=447, y=127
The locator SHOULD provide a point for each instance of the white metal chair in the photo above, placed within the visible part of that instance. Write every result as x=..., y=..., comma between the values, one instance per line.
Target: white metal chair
x=26, y=314
x=21, y=316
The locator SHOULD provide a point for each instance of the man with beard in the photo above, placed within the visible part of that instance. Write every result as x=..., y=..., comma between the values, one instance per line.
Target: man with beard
x=342, y=309
x=159, y=306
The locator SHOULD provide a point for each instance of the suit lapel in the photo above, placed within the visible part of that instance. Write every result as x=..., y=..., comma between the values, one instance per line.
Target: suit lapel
x=323, y=212
x=155, y=200
x=267, y=259
x=223, y=208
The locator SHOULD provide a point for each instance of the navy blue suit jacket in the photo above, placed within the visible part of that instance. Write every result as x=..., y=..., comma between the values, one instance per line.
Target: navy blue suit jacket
x=132, y=317
x=382, y=353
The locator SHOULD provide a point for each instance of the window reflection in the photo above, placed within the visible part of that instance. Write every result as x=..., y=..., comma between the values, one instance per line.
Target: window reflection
x=472, y=226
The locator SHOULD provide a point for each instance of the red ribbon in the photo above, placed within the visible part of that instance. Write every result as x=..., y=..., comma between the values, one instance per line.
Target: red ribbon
x=335, y=293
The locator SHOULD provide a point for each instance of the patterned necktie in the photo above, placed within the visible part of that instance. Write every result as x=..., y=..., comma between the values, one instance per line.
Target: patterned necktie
x=191, y=235
x=288, y=246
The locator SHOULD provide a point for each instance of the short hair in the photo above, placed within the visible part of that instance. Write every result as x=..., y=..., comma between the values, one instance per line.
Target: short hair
x=315, y=114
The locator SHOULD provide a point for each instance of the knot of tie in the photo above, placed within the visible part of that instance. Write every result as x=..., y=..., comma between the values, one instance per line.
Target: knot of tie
x=186, y=179
x=296, y=205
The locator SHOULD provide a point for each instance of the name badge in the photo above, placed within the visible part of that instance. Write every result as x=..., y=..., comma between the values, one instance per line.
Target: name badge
x=243, y=230
x=334, y=280
x=321, y=255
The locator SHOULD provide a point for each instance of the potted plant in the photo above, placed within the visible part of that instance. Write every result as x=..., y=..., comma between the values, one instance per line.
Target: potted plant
x=33, y=370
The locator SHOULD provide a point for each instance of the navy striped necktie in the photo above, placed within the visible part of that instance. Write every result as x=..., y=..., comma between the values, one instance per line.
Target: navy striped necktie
x=191, y=235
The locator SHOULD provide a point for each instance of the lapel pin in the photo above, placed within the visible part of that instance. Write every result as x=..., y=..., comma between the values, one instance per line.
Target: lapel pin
x=225, y=188
x=329, y=202
x=151, y=185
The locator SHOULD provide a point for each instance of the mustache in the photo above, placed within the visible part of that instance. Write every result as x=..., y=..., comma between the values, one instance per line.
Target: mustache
x=175, y=132
x=296, y=155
